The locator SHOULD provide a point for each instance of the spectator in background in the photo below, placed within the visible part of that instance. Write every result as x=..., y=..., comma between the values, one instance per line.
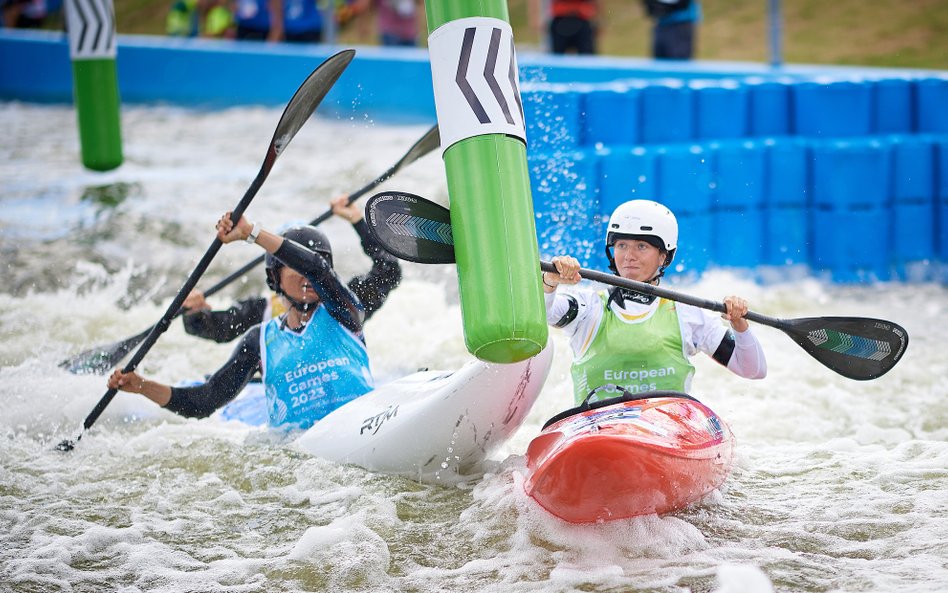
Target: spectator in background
x=397, y=20
x=302, y=21
x=185, y=19
x=298, y=21
x=219, y=20
x=573, y=24
x=24, y=14
x=259, y=20
x=673, y=34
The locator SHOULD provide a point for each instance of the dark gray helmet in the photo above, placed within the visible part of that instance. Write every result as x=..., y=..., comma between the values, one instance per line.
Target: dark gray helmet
x=309, y=237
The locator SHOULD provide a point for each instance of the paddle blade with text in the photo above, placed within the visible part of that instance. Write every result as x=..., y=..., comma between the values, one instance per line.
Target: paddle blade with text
x=411, y=228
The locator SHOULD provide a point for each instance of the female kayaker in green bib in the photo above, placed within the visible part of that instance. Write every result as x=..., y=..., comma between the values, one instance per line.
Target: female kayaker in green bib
x=636, y=341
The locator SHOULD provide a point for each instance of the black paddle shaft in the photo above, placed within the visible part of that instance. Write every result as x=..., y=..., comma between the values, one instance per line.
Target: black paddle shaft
x=418, y=230
x=653, y=290
x=856, y=347
x=423, y=146
x=297, y=112
x=103, y=358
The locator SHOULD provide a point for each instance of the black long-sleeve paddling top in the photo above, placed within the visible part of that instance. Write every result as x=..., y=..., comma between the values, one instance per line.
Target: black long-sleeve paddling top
x=371, y=288
x=223, y=386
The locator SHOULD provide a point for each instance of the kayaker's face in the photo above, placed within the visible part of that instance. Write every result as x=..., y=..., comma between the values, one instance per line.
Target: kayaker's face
x=637, y=260
x=296, y=286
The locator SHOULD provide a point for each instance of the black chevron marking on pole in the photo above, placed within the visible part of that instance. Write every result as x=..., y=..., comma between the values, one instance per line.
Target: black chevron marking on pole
x=489, y=74
x=83, y=29
x=99, y=23
x=461, y=77
x=110, y=30
x=512, y=75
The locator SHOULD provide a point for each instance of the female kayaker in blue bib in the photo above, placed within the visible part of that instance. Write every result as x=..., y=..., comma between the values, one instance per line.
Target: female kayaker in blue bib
x=636, y=341
x=313, y=357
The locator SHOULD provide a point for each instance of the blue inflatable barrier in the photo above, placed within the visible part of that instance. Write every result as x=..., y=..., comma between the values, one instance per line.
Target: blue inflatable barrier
x=942, y=241
x=941, y=165
x=913, y=235
x=892, y=106
x=913, y=169
x=552, y=118
x=787, y=232
x=769, y=108
x=853, y=245
x=738, y=188
x=721, y=111
x=667, y=114
x=566, y=204
x=832, y=109
x=684, y=182
x=684, y=178
x=848, y=174
x=787, y=165
x=611, y=117
x=932, y=94
x=695, y=243
x=738, y=175
x=941, y=198
x=625, y=174
x=738, y=238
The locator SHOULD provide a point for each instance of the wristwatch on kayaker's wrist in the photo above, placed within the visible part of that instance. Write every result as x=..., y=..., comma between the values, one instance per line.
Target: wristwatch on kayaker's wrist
x=254, y=233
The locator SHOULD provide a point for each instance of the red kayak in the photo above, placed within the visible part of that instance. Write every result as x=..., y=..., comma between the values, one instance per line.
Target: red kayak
x=628, y=456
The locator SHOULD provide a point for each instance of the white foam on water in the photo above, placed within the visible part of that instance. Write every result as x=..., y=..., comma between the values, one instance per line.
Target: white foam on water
x=741, y=578
x=839, y=485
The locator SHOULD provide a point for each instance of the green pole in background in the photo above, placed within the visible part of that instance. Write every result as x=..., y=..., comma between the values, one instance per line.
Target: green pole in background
x=483, y=140
x=91, y=26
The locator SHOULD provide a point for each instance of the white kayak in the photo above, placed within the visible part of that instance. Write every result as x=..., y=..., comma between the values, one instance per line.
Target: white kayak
x=428, y=426
x=432, y=425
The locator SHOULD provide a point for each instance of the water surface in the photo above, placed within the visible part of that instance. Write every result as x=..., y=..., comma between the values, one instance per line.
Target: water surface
x=840, y=486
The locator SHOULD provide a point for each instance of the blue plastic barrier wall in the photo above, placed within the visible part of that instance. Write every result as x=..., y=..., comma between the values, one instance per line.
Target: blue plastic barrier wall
x=854, y=210
x=847, y=177
x=842, y=170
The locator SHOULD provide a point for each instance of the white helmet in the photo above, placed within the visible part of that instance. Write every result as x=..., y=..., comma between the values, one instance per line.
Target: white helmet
x=644, y=220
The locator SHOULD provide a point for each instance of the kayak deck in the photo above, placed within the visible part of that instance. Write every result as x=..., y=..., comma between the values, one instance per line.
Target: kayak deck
x=435, y=424
x=654, y=455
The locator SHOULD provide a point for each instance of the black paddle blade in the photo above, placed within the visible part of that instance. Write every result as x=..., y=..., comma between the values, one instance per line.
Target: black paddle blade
x=854, y=347
x=411, y=228
x=102, y=359
x=425, y=144
x=308, y=97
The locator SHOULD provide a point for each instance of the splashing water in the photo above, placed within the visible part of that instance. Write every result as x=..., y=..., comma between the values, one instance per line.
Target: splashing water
x=839, y=486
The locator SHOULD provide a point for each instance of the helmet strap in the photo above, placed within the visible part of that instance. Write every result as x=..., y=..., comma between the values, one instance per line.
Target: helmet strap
x=301, y=307
x=612, y=260
x=619, y=295
x=273, y=281
x=661, y=272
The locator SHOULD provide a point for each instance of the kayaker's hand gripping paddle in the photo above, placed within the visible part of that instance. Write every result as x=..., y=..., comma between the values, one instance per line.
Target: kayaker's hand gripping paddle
x=103, y=358
x=297, y=113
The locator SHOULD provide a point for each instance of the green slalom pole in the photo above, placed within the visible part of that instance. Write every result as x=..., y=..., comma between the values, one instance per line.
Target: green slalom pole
x=483, y=139
x=91, y=25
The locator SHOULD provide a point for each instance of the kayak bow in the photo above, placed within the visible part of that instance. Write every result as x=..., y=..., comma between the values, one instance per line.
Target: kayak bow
x=617, y=459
